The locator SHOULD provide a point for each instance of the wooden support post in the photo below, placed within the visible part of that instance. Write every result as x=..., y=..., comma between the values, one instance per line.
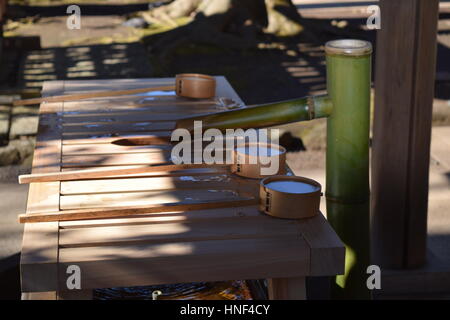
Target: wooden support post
x=50, y=295
x=287, y=289
x=76, y=294
x=405, y=72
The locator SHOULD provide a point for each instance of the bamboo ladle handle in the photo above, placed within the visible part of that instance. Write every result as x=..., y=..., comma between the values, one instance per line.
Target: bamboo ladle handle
x=107, y=172
x=189, y=85
x=107, y=213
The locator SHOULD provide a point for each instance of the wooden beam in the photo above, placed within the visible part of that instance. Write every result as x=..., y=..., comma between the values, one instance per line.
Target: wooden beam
x=405, y=72
x=50, y=295
x=39, y=257
x=287, y=288
x=75, y=294
x=327, y=250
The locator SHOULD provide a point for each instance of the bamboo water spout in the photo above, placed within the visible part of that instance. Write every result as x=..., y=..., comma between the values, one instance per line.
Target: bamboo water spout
x=347, y=107
x=266, y=115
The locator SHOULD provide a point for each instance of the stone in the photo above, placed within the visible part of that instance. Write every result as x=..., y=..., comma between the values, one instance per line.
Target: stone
x=17, y=151
x=24, y=121
x=9, y=155
x=4, y=124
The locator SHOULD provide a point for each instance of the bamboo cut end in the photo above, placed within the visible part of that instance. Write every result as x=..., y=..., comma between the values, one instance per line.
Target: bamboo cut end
x=23, y=179
x=348, y=47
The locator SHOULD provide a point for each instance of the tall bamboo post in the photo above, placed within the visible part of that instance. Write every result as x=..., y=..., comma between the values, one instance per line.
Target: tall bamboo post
x=347, y=159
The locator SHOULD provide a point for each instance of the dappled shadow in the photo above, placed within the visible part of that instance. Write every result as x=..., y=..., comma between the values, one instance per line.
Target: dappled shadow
x=86, y=9
x=119, y=60
x=10, y=277
x=260, y=68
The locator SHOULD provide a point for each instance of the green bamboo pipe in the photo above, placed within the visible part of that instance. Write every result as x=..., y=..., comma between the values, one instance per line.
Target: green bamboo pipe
x=266, y=115
x=347, y=159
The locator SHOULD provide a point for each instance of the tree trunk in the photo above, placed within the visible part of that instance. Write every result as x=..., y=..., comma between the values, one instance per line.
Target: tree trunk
x=283, y=18
x=278, y=17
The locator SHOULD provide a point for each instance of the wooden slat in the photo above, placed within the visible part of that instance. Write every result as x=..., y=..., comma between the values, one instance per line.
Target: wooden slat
x=327, y=250
x=167, y=95
x=148, y=184
x=79, y=96
x=154, y=137
x=79, y=108
x=223, y=89
x=165, y=217
x=149, y=264
x=98, y=160
x=168, y=107
x=132, y=108
x=108, y=200
x=406, y=60
x=158, y=138
x=40, y=241
x=118, y=127
x=75, y=86
x=187, y=231
x=107, y=148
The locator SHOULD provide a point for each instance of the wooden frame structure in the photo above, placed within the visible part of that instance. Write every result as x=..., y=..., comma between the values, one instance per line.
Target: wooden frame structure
x=149, y=249
x=405, y=74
